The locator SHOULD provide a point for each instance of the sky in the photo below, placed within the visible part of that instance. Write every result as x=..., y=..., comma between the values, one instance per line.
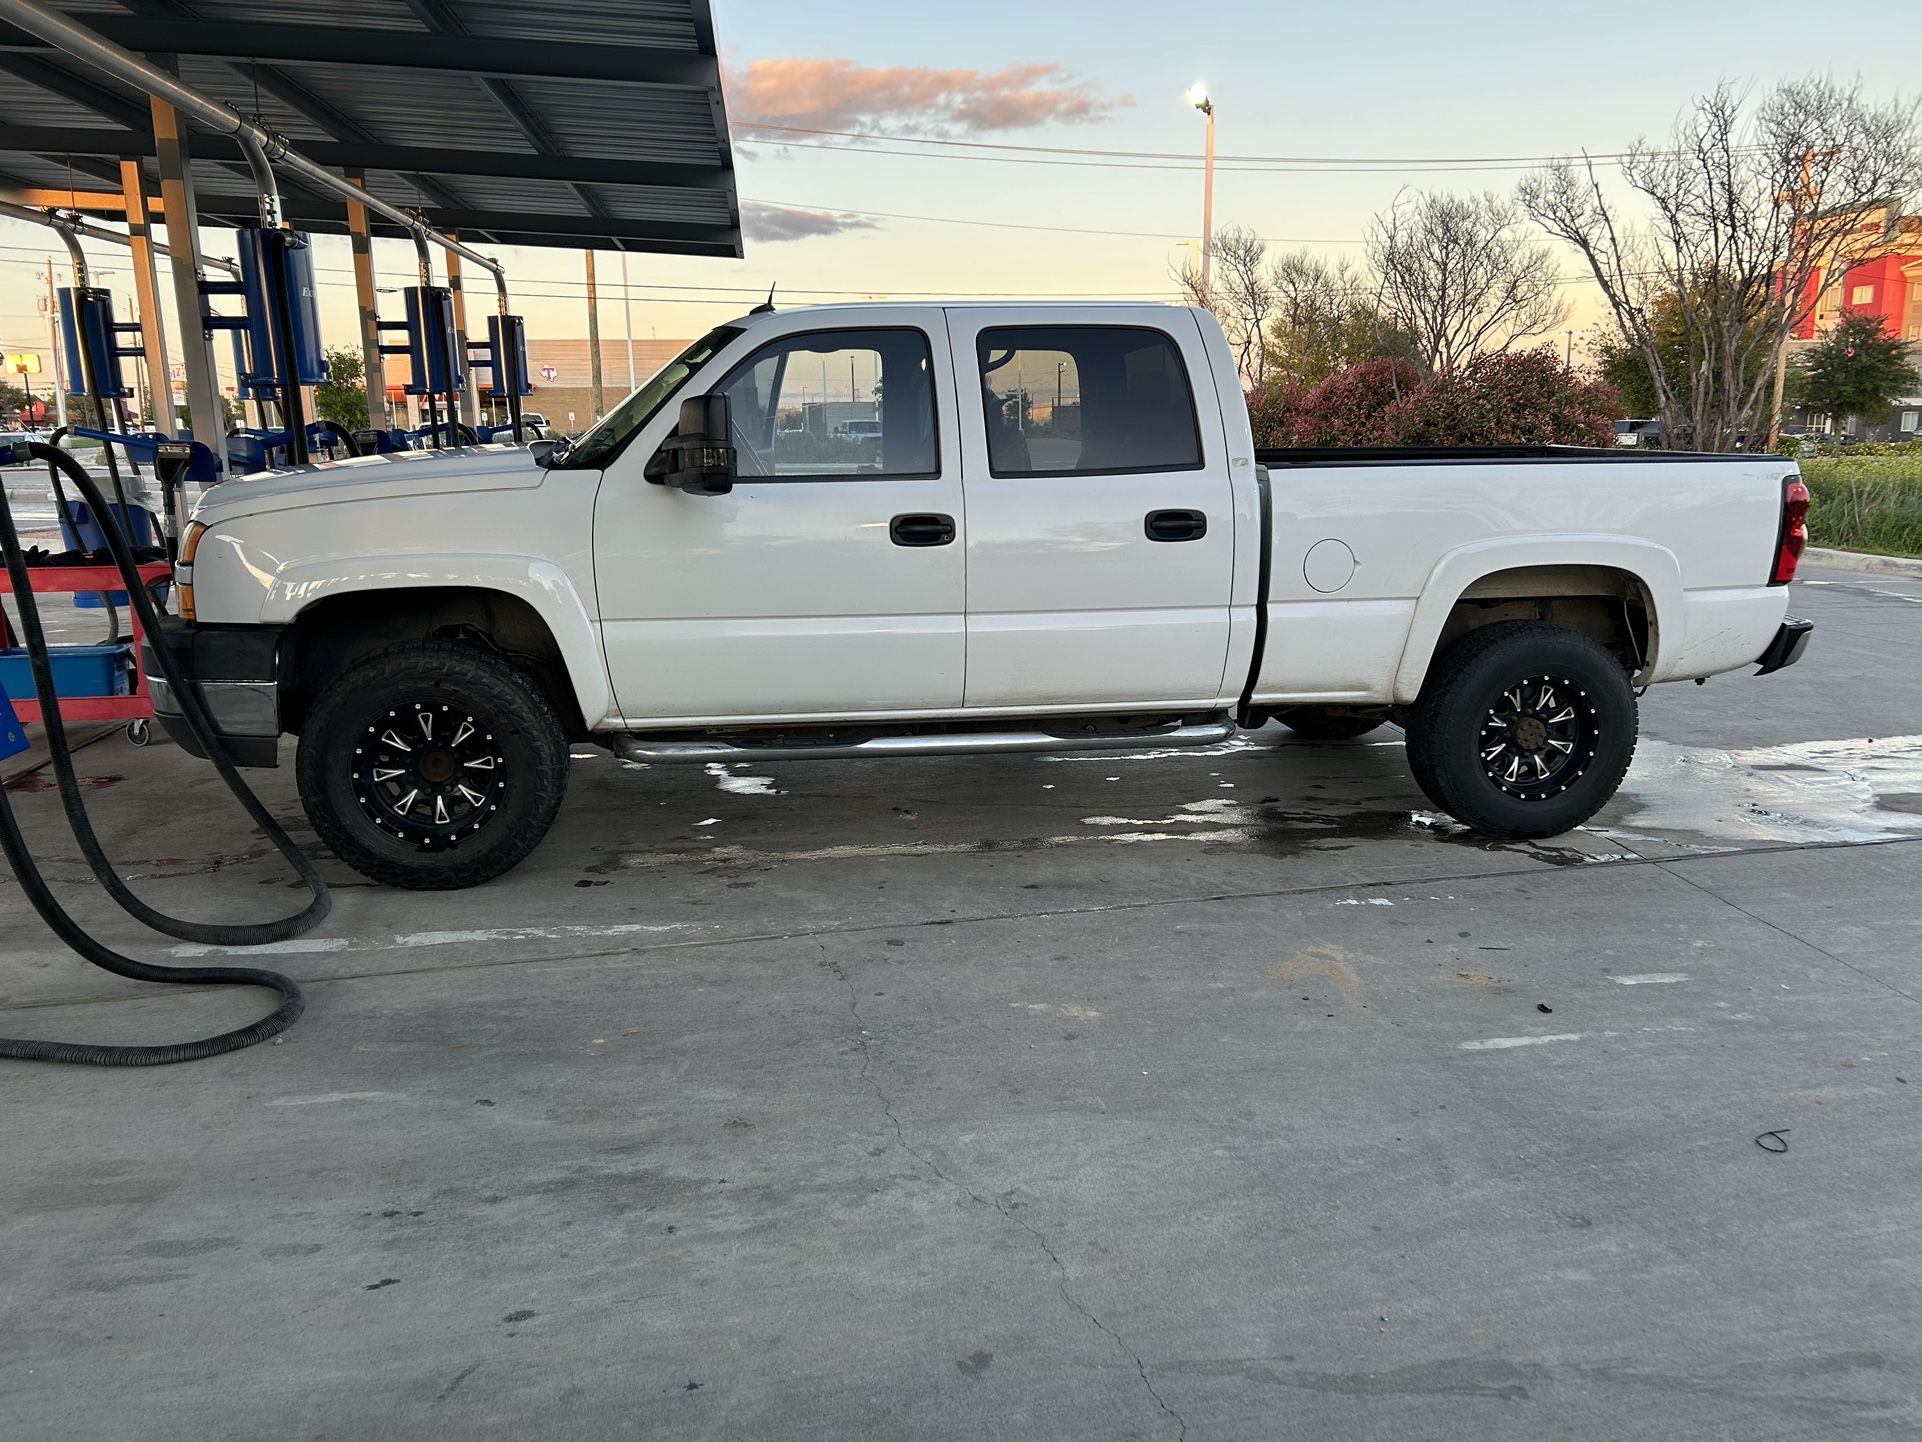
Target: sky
x=1474, y=80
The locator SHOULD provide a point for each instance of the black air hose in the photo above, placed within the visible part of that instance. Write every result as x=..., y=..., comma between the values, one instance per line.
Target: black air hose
x=341, y=434
x=49, y=908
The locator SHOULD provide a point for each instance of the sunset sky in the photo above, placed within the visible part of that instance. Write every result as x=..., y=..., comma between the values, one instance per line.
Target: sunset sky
x=1470, y=82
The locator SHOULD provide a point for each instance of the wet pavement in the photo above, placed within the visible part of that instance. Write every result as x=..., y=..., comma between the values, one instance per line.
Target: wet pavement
x=1219, y=1094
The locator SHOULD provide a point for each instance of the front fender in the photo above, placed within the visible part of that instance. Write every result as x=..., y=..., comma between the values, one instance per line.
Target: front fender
x=1653, y=565
x=541, y=584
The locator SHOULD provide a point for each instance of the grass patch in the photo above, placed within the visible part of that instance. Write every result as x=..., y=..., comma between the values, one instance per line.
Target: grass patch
x=1866, y=503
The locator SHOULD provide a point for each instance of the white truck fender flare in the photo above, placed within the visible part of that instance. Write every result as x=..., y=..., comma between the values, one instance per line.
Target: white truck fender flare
x=1655, y=566
x=541, y=584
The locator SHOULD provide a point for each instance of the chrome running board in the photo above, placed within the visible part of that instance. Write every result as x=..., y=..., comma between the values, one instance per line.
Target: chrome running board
x=966, y=743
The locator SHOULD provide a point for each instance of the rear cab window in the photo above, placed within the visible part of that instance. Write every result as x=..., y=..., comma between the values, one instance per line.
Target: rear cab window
x=1065, y=400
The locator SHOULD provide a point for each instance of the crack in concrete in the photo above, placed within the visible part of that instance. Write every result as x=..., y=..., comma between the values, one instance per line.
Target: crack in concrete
x=1780, y=930
x=864, y=1041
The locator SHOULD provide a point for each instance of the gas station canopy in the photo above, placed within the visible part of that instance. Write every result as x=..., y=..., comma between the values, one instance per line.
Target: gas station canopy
x=514, y=122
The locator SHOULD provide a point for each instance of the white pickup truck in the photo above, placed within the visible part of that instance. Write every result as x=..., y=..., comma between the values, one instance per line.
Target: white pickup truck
x=1063, y=537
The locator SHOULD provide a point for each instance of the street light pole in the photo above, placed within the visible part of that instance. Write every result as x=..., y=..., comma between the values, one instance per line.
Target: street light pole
x=1568, y=361
x=1198, y=97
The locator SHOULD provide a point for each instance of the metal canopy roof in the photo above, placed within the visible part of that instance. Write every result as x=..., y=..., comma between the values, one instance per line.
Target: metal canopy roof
x=516, y=122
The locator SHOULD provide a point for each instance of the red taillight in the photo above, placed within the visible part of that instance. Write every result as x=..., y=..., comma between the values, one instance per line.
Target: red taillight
x=1795, y=531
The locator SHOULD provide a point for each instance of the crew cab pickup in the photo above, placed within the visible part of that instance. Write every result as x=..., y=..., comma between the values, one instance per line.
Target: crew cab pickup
x=1061, y=537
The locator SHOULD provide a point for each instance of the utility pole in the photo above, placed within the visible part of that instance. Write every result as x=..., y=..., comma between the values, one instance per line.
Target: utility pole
x=627, y=315
x=1809, y=195
x=596, y=394
x=1198, y=97
x=53, y=344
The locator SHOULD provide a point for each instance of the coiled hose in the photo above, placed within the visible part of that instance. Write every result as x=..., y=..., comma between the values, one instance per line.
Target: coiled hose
x=41, y=896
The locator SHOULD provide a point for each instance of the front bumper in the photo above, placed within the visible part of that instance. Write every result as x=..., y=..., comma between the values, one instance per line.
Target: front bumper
x=235, y=670
x=1791, y=640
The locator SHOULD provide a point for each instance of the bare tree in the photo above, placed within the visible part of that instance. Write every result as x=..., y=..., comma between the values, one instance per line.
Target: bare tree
x=1241, y=297
x=1460, y=275
x=1326, y=318
x=1744, y=219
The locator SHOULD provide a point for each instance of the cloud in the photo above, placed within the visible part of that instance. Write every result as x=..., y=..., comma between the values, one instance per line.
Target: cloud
x=827, y=94
x=771, y=223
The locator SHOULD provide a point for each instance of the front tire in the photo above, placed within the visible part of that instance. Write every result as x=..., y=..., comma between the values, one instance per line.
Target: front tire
x=1523, y=730
x=432, y=766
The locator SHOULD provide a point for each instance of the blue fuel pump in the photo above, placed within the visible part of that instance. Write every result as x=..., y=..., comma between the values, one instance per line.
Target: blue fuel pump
x=503, y=355
x=277, y=341
x=436, y=359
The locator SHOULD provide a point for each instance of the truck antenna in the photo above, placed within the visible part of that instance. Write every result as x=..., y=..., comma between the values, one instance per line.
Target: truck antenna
x=766, y=307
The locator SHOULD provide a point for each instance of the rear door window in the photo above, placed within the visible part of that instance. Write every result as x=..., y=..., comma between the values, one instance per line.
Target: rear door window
x=1086, y=400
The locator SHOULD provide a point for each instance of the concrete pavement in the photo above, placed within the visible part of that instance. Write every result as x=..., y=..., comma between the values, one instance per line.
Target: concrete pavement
x=1210, y=1095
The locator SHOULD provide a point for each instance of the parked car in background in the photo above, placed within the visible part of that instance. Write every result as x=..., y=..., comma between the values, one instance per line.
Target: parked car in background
x=1628, y=433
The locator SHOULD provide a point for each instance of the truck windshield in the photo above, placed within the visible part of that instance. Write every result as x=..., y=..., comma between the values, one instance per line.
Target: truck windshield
x=606, y=440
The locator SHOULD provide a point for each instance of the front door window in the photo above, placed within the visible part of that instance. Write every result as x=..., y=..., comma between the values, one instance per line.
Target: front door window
x=845, y=405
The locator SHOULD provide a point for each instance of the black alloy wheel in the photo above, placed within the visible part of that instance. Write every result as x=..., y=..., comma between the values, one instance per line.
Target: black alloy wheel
x=1523, y=729
x=1539, y=737
x=428, y=773
x=432, y=765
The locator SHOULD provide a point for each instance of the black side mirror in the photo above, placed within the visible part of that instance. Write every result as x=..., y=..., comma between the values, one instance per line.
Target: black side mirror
x=698, y=458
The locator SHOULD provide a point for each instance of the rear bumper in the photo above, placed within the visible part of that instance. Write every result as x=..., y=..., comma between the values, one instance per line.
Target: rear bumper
x=235, y=672
x=1787, y=647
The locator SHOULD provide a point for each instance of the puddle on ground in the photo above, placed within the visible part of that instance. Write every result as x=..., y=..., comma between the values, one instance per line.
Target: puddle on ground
x=1800, y=793
x=1691, y=798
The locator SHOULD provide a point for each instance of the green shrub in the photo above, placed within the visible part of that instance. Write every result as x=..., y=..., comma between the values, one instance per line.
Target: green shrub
x=1867, y=502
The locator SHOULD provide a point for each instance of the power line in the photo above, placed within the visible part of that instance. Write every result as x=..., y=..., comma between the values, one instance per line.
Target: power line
x=1444, y=160
x=1183, y=164
x=1022, y=225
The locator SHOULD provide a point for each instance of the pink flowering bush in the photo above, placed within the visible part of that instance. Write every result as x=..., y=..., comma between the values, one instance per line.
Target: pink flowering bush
x=1521, y=398
x=1351, y=407
x=1526, y=398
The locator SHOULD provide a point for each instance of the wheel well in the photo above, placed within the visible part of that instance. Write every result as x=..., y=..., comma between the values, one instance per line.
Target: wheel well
x=1611, y=605
x=333, y=633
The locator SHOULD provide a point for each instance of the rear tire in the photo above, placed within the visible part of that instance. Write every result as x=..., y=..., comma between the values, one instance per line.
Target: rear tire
x=432, y=766
x=1318, y=723
x=1523, y=730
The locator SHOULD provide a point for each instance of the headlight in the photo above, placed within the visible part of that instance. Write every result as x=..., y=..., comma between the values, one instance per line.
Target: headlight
x=183, y=567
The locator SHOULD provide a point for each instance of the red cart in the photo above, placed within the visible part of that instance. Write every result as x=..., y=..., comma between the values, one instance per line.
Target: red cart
x=135, y=705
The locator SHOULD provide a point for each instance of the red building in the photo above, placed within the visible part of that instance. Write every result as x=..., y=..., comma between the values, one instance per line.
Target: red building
x=1890, y=287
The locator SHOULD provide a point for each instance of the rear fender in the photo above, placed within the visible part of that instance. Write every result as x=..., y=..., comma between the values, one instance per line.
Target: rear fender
x=1655, y=567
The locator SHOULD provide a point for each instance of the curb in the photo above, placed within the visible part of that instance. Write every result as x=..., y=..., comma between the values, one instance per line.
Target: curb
x=1863, y=561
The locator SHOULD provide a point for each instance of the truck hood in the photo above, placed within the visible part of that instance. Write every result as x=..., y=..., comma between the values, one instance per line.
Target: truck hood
x=373, y=478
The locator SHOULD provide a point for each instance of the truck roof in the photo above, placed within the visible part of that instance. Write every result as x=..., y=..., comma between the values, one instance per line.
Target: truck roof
x=857, y=307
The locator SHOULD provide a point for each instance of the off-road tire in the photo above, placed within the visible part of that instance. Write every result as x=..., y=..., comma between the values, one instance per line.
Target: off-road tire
x=1475, y=752
x=498, y=739
x=1318, y=723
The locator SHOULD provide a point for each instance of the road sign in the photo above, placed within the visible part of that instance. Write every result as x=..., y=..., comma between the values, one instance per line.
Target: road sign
x=25, y=363
x=548, y=373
